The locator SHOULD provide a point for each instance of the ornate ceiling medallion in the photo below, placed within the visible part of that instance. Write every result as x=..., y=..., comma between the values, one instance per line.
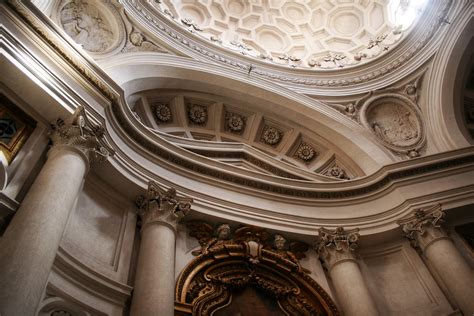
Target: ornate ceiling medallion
x=163, y=112
x=396, y=121
x=197, y=114
x=305, y=152
x=271, y=135
x=235, y=122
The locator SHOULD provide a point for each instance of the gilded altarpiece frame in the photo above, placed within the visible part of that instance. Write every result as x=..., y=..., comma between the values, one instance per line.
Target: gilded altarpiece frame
x=15, y=128
x=207, y=283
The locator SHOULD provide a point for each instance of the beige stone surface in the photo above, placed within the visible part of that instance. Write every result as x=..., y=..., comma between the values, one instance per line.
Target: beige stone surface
x=29, y=245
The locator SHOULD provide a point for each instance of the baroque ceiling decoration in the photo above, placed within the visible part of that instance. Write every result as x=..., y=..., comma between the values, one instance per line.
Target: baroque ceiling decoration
x=161, y=21
x=102, y=28
x=393, y=116
x=225, y=123
x=315, y=34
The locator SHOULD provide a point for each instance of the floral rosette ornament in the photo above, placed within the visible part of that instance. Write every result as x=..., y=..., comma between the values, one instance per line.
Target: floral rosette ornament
x=235, y=122
x=198, y=114
x=305, y=152
x=163, y=112
x=271, y=136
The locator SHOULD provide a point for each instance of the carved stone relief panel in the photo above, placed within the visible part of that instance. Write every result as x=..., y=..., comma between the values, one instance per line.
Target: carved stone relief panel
x=396, y=121
x=95, y=25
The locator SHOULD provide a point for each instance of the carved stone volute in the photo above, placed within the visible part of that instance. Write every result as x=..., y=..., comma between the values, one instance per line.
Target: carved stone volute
x=162, y=207
x=423, y=227
x=337, y=245
x=78, y=132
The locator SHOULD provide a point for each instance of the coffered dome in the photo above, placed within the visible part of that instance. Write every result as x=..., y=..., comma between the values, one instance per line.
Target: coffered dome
x=315, y=34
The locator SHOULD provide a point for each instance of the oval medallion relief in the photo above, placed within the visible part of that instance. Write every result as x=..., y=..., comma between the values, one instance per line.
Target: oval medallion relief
x=91, y=24
x=395, y=120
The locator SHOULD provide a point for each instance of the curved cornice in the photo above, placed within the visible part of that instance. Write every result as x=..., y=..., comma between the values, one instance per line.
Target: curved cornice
x=414, y=50
x=373, y=203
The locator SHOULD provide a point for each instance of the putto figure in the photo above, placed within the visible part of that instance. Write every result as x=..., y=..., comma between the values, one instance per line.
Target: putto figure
x=207, y=238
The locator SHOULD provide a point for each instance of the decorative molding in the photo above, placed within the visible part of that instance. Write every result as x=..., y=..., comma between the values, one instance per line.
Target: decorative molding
x=79, y=132
x=382, y=179
x=423, y=227
x=228, y=262
x=160, y=206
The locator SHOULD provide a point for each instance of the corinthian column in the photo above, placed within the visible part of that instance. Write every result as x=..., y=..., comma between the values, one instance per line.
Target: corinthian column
x=29, y=245
x=336, y=250
x=160, y=211
x=426, y=235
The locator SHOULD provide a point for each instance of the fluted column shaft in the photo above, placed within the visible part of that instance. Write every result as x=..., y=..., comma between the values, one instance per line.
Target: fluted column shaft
x=29, y=245
x=153, y=292
x=336, y=249
x=424, y=231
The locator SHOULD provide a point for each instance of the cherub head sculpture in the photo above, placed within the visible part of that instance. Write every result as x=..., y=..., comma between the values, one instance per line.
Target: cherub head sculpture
x=279, y=242
x=223, y=232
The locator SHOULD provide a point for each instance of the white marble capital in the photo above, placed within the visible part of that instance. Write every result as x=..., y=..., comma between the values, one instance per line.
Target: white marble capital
x=78, y=133
x=160, y=212
x=336, y=249
x=162, y=207
x=337, y=246
x=423, y=229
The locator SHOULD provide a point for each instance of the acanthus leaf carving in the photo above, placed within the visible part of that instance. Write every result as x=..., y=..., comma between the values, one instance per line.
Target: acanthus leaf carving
x=162, y=206
x=424, y=226
x=79, y=132
x=337, y=245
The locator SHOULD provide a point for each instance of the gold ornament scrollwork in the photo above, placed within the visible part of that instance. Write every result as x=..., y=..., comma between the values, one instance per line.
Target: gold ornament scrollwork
x=229, y=261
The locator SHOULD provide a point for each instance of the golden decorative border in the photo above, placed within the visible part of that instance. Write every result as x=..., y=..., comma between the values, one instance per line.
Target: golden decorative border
x=21, y=136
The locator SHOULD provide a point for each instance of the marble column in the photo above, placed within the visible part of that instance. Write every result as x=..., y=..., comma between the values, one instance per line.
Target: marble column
x=336, y=250
x=423, y=229
x=29, y=245
x=160, y=211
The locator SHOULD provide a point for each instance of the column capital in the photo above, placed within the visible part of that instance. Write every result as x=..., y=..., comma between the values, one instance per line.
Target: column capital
x=423, y=227
x=337, y=245
x=79, y=132
x=163, y=207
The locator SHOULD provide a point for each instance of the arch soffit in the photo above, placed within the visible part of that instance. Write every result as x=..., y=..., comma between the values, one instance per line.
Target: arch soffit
x=147, y=72
x=451, y=61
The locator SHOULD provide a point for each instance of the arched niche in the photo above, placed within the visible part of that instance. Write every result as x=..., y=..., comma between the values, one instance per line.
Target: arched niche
x=238, y=271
